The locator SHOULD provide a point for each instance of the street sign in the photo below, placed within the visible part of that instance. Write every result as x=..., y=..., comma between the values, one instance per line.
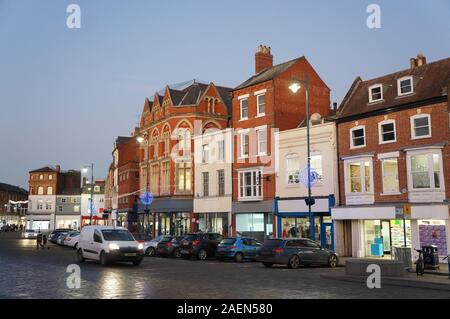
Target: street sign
x=146, y=198
x=407, y=209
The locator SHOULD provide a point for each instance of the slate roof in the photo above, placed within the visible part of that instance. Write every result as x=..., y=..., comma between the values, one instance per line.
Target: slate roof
x=12, y=188
x=268, y=74
x=429, y=80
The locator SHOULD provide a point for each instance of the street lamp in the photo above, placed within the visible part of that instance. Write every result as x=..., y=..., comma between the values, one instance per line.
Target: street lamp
x=295, y=86
x=85, y=170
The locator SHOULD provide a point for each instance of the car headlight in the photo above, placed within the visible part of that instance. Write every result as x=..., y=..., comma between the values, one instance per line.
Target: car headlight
x=114, y=247
x=140, y=246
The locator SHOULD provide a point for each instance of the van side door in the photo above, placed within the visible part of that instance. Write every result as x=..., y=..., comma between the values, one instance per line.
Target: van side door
x=97, y=244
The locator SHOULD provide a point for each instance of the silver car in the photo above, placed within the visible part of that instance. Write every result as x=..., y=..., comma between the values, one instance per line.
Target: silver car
x=150, y=246
x=29, y=234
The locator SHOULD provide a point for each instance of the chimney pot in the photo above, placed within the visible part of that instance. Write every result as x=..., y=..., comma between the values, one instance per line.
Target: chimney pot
x=421, y=59
x=263, y=58
x=413, y=62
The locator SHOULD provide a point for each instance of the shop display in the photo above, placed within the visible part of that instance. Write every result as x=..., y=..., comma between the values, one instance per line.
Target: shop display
x=433, y=233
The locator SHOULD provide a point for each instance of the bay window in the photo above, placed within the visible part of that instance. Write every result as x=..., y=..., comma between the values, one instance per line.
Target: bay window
x=425, y=170
x=359, y=176
x=250, y=184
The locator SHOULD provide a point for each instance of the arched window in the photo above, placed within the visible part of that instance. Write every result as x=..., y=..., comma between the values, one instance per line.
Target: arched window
x=49, y=190
x=40, y=190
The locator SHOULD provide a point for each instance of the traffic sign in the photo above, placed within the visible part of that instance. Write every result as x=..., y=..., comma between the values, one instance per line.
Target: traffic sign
x=407, y=209
x=146, y=198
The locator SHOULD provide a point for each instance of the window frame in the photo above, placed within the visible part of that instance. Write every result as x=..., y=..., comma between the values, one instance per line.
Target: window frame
x=258, y=95
x=429, y=153
x=380, y=86
x=205, y=184
x=220, y=182
x=384, y=191
x=413, y=128
x=292, y=156
x=258, y=130
x=347, y=177
x=359, y=127
x=399, y=91
x=241, y=100
x=243, y=133
x=257, y=190
x=380, y=132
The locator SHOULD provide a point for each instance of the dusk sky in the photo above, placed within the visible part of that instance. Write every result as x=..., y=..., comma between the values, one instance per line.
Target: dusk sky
x=66, y=94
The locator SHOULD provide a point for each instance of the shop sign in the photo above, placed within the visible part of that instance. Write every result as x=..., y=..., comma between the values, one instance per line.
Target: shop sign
x=407, y=210
x=399, y=213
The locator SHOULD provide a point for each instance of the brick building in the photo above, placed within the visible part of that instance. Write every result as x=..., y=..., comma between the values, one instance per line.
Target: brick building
x=13, y=204
x=168, y=124
x=394, y=134
x=262, y=104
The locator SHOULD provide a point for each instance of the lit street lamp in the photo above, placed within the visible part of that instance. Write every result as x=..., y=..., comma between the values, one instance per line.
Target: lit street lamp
x=85, y=170
x=295, y=86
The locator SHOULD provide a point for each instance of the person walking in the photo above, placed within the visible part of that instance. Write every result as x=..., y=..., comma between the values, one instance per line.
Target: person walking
x=38, y=241
x=44, y=242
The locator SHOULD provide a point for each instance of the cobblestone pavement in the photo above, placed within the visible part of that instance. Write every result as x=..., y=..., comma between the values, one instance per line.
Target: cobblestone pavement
x=27, y=273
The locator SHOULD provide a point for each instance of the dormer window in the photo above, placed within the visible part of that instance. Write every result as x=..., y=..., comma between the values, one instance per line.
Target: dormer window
x=375, y=93
x=405, y=85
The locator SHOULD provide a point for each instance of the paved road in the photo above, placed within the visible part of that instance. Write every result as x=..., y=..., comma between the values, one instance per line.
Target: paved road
x=27, y=273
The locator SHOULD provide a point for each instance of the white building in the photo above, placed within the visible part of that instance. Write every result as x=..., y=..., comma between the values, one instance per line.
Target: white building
x=213, y=180
x=41, y=212
x=98, y=200
x=291, y=210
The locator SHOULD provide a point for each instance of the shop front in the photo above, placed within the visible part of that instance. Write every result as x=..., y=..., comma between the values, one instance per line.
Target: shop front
x=166, y=217
x=377, y=231
x=293, y=220
x=213, y=222
x=253, y=219
x=68, y=221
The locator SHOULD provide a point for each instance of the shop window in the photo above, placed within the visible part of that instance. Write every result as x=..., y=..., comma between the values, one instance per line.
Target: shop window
x=389, y=168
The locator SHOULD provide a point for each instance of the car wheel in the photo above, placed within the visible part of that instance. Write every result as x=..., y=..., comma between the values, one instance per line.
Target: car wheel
x=137, y=262
x=103, y=259
x=294, y=262
x=150, y=252
x=177, y=253
x=238, y=257
x=75, y=246
x=268, y=265
x=202, y=254
x=80, y=256
x=333, y=261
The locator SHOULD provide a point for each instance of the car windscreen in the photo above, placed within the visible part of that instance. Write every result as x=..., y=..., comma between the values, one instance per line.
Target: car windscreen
x=166, y=239
x=272, y=243
x=228, y=242
x=117, y=235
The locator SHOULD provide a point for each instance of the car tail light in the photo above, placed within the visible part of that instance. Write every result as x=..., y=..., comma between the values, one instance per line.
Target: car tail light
x=232, y=247
x=278, y=250
x=196, y=242
x=169, y=244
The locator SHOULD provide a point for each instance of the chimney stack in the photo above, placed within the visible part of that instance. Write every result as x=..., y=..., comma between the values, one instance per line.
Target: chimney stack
x=419, y=61
x=58, y=168
x=263, y=58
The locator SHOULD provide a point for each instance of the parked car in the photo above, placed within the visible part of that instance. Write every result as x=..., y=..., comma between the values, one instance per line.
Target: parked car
x=237, y=248
x=150, y=247
x=141, y=238
x=53, y=236
x=294, y=252
x=61, y=237
x=29, y=234
x=169, y=247
x=109, y=244
x=71, y=239
x=200, y=245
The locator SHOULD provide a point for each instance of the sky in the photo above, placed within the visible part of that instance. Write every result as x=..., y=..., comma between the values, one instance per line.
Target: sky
x=66, y=94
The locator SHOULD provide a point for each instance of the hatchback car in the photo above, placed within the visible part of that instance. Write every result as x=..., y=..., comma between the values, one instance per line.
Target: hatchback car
x=71, y=239
x=53, y=236
x=29, y=233
x=200, y=245
x=294, y=252
x=60, y=239
x=169, y=247
x=150, y=247
x=237, y=248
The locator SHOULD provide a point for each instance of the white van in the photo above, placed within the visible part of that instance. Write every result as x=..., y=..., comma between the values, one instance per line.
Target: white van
x=107, y=244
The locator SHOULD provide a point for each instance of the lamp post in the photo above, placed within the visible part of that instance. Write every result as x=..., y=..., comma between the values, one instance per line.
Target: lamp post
x=141, y=140
x=91, y=204
x=295, y=86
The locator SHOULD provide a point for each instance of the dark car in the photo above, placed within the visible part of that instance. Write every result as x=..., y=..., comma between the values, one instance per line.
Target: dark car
x=169, y=247
x=294, y=252
x=237, y=248
x=53, y=236
x=200, y=245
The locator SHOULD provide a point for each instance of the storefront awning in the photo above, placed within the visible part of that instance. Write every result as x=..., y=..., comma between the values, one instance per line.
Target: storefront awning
x=253, y=207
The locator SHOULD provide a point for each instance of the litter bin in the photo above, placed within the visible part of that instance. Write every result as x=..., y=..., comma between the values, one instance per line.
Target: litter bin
x=431, y=256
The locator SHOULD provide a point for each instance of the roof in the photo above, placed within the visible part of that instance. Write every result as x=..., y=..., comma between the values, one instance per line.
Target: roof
x=429, y=80
x=70, y=192
x=44, y=169
x=12, y=188
x=122, y=139
x=268, y=74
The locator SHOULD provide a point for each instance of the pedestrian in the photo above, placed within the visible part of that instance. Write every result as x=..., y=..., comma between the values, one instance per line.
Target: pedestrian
x=44, y=242
x=38, y=241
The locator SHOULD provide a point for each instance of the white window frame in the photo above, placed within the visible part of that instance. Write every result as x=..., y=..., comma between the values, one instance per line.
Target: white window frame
x=258, y=130
x=221, y=150
x=205, y=184
x=363, y=127
x=371, y=100
x=256, y=193
x=413, y=131
x=241, y=99
x=258, y=95
x=429, y=153
x=399, y=91
x=361, y=161
x=205, y=153
x=241, y=143
x=384, y=192
x=380, y=132
x=292, y=156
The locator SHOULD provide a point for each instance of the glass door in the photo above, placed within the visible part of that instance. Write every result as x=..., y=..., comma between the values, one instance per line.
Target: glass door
x=386, y=236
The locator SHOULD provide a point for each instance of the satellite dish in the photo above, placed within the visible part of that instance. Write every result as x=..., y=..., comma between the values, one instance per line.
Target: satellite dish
x=316, y=118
